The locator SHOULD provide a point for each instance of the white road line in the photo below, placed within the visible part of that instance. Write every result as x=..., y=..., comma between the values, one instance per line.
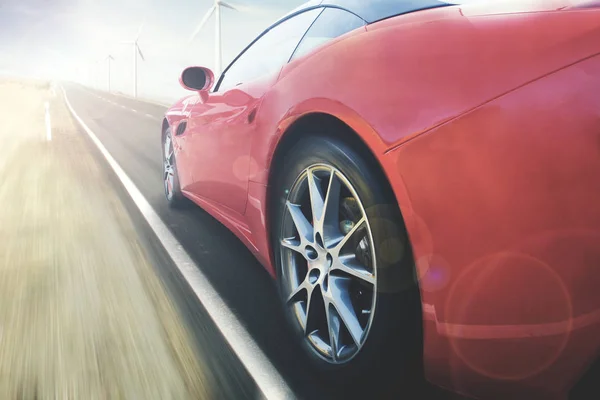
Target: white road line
x=48, y=123
x=120, y=105
x=152, y=117
x=267, y=378
x=156, y=103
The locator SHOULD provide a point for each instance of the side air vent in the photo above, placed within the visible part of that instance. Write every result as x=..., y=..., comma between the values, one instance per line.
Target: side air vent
x=181, y=128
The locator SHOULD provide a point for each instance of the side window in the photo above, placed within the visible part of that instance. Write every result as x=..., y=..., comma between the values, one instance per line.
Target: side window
x=269, y=53
x=332, y=23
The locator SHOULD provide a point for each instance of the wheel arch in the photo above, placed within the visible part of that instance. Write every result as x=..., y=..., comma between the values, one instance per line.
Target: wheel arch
x=320, y=124
x=324, y=125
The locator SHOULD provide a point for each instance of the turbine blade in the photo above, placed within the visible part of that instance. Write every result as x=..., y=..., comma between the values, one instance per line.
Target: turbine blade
x=227, y=5
x=244, y=8
x=139, y=31
x=140, y=52
x=202, y=22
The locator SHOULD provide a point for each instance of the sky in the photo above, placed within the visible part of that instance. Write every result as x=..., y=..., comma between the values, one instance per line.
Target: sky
x=70, y=39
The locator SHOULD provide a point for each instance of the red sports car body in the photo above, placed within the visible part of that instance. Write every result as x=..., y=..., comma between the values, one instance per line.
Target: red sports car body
x=485, y=120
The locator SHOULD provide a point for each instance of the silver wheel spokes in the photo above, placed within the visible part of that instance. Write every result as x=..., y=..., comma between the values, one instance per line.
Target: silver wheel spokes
x=168, y=171
x=325, y=275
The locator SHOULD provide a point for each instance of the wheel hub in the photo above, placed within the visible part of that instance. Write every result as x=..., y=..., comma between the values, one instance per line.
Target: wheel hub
x=321, y=266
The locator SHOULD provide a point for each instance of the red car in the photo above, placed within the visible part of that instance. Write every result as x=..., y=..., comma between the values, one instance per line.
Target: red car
x=421, y=178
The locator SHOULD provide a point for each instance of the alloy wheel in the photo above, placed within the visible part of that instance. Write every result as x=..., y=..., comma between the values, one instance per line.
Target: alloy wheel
x=328, y=263
x=168, y=164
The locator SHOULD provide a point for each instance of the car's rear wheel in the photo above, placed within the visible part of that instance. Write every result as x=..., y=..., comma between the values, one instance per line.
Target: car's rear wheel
x=344, y=263
x=170, y=178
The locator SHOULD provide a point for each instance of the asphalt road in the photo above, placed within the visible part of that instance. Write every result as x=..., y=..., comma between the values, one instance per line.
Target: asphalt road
x=130, y=131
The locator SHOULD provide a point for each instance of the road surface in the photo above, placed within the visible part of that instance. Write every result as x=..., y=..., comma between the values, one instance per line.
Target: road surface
x=130, y=130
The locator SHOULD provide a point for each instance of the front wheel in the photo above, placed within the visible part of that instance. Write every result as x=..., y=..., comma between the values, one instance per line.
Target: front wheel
x=170, y=178
x=344, y=263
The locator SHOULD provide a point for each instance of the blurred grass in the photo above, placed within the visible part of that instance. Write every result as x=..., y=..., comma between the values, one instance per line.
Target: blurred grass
x=82, y=314
x=24, y=83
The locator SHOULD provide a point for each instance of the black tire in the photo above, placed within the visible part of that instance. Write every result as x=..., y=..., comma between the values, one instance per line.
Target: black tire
x=393, y=347
x=175, y=199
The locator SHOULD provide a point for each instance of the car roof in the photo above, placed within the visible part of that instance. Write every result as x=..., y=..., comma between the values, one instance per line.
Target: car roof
x=373, y=10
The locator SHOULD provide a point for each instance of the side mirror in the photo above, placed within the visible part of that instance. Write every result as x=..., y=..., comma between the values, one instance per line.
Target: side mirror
x=197, y=79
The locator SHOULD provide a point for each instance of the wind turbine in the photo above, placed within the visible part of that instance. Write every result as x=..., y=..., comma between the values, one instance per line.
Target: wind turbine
x=136, y=51
x=215, y=8
x=108, y=59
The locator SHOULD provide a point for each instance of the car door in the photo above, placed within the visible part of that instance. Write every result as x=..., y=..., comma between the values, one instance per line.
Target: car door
x=220, y=129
